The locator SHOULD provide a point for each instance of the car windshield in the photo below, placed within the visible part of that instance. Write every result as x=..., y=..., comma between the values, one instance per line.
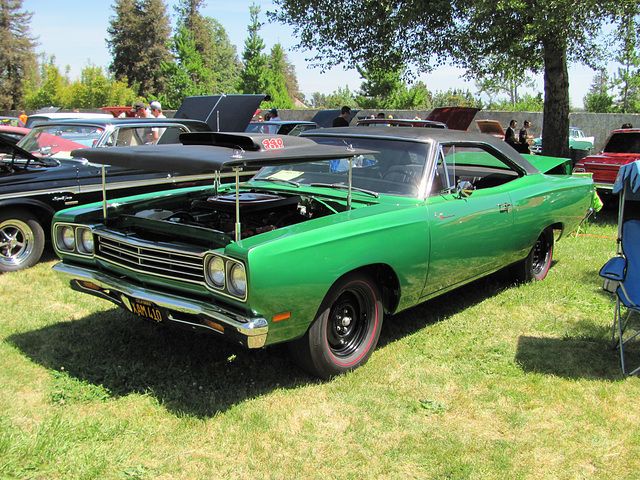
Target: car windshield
x=627, y=142
x=397, y=168
x=60, y=138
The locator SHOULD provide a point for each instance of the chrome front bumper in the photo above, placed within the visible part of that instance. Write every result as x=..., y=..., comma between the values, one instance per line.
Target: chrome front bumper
x=250, y=332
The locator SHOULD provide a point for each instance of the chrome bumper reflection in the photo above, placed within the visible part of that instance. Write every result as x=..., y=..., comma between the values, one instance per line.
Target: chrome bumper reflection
x=250, y=332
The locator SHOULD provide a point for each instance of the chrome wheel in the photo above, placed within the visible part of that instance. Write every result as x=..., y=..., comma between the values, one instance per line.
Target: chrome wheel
x=21, y=241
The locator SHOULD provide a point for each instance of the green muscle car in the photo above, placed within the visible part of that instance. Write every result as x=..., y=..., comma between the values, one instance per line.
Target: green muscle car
x=339, y=227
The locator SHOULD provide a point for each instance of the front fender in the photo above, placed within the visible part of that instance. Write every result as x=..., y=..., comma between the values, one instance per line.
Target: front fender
x=294, y=272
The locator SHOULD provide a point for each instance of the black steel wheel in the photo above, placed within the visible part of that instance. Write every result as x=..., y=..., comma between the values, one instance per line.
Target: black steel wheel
x=21, y=240
x=538, y=262
x=345, y=330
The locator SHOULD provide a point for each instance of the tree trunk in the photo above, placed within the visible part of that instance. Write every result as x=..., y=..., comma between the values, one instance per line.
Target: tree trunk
x=555, y=124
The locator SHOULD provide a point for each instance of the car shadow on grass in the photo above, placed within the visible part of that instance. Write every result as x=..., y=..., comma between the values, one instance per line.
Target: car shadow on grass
x=443, y=306
x=573, y=357
x=189, y=373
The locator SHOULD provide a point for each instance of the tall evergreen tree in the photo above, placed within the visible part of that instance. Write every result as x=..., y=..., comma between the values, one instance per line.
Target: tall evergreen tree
x=212, y=44
x=599, y=99
x=253, y=76
x=138, y=40
x=190, y=17
x=628, y=78
x=186, y=75
x=226, y=66
x=276, y=84
x=17, y=53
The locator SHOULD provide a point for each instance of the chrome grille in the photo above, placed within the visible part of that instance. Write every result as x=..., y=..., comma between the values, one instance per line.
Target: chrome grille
x=158, y=261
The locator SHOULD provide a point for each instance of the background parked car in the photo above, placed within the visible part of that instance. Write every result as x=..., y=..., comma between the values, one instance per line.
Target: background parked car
x=11, y=122
x=577, y=141
x=37, y=118
x=622, y=147
x=11, y=134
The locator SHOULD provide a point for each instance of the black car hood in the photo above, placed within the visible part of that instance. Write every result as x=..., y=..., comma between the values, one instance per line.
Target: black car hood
x=208, y=152
x=223, y=113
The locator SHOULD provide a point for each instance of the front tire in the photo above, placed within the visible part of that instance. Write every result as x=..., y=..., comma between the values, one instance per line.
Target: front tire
x=21, y=240
x=536, y=266
x=346, y=328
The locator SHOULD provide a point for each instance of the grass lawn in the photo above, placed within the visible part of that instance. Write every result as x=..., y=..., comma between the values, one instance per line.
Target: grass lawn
x=492, y=381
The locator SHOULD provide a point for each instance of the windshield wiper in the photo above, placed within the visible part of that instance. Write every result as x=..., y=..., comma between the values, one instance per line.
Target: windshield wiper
x=341, y=186
x=278, y=180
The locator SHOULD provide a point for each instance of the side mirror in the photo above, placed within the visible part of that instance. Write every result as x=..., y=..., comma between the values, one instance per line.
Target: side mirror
x=46, y=151
x=465, y=189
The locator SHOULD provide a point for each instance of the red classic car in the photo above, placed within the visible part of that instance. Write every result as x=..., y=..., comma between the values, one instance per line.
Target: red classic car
x=622, y=147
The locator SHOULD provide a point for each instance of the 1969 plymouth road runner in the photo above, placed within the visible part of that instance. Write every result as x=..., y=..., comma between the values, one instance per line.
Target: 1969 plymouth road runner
x=340, y=226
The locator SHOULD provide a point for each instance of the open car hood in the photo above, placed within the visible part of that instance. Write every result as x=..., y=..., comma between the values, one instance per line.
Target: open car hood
x=223, y=113
x=208, y=152
x=492, y=127
x=456, y=118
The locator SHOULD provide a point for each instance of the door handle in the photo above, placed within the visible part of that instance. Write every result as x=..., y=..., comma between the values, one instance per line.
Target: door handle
x=505, y=207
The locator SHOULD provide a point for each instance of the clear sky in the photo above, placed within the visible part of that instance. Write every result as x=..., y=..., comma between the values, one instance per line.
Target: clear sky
x=75, y=32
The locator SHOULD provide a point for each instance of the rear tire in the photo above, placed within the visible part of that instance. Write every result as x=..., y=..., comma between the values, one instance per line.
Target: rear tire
x=21, y=240
x=345, y=331
x=536, y=266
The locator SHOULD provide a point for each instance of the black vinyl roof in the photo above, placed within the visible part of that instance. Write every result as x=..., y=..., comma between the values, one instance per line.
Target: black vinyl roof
x=207, y=152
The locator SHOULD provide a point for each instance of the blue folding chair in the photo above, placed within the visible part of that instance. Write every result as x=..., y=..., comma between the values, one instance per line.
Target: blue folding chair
x=622, y=275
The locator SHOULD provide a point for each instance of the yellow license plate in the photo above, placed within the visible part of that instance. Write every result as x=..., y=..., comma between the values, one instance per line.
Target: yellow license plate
x=145, y=309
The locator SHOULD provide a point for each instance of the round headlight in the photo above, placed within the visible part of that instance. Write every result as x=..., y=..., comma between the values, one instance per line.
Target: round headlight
x=86, y=241
x=238, y=280
x=216, y=272
x=68, y=237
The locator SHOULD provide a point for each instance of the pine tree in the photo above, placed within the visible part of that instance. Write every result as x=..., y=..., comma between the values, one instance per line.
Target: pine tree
x=253, y=76
x=276, y=85
x=138, y=40
x=211, y=43
x=599, y=100
x=17, y=53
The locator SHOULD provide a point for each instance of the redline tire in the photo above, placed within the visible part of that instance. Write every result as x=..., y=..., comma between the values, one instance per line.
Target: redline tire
x=346, y=329
x=536, y=266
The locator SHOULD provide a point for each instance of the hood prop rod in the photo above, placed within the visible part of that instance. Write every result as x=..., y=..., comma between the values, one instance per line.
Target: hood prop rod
x=238, y=228
x=104, y=195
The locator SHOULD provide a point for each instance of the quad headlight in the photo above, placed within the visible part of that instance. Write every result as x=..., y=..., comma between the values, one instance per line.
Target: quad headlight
x=76, y=239
x=216, y=273
x=226, y=275
x=238, y=280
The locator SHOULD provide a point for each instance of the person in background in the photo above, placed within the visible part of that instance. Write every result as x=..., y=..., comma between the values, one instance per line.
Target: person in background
x=381, y=115
x=342, y=119
x=274, y=115
x=510, y=133
x=140, y=110
x=524, y=137
x=23, y=117
x=156, y=110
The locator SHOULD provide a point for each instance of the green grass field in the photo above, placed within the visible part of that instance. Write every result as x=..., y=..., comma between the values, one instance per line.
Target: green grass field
x=492, y=381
